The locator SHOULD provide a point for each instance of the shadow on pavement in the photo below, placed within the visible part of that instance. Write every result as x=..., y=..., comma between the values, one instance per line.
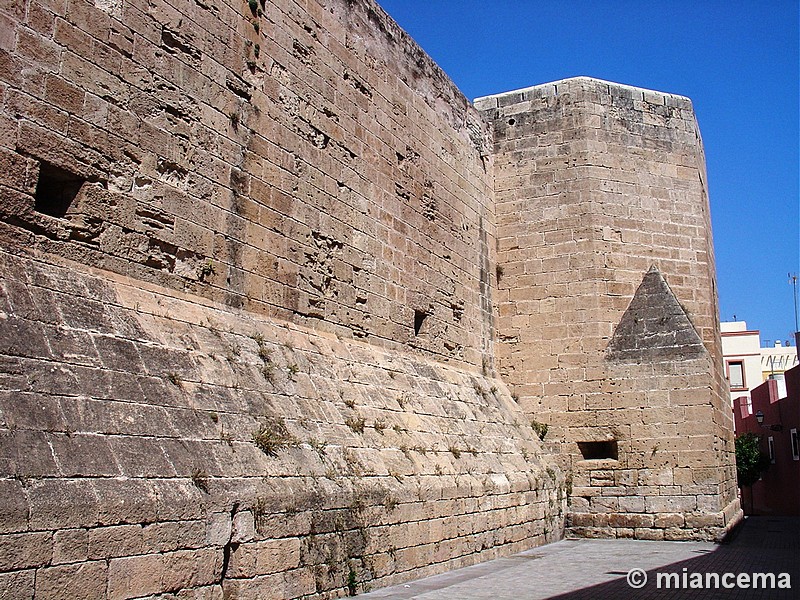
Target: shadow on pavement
x=766, y=545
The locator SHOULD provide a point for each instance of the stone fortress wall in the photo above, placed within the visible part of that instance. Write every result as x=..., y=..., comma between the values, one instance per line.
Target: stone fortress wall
x=267, y=300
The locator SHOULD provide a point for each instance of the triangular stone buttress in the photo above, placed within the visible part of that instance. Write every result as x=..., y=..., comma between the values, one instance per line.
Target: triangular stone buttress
x=655, y=326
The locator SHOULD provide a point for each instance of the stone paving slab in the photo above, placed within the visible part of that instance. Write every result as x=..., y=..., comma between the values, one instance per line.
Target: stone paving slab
x=590, y=569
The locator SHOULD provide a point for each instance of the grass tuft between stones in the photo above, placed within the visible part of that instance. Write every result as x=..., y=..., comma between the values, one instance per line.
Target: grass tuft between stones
x=272, y=437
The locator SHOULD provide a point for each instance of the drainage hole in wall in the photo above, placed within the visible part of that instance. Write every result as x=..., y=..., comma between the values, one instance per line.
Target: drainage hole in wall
x=598, y=450
x=56, y=189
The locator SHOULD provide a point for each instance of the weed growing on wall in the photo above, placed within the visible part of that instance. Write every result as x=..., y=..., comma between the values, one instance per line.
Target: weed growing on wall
x=272, y=437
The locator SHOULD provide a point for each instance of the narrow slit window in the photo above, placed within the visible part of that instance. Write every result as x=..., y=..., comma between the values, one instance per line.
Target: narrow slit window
x=419, y=319
x=56, y=189
x=795, y=444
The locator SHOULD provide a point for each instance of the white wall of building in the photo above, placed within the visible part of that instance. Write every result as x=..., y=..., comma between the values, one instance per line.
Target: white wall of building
x=741, y=349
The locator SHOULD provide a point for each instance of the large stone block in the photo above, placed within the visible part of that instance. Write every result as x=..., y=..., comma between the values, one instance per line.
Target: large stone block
x=13, y=507
x=25, y=550
x=134, y=576
x=80, y=580
x=70, y=545
x=120, y=540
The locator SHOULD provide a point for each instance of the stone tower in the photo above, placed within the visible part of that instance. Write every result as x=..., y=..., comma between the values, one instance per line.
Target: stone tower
x=607, y=303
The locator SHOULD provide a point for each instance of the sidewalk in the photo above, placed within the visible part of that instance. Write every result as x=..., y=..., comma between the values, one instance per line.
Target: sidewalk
x=597, y=569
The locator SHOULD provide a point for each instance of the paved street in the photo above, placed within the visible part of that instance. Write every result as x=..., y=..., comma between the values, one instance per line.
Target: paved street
x=594, y=569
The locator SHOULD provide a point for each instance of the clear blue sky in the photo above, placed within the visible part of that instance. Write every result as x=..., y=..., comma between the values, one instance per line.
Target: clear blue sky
x=736, y=59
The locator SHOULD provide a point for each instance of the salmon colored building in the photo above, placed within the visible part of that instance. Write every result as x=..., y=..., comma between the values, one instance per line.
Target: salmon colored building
x=776, y=420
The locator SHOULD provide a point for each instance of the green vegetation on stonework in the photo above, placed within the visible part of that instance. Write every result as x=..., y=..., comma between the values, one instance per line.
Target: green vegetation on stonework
x=539, y=428
x=272, y=436
x=751, y=462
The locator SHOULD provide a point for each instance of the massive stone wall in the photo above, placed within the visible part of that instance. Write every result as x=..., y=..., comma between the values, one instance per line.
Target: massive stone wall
x=153, y=442
x=303, y=162
x=252, y=256
x=246, y=257
x=608, y=308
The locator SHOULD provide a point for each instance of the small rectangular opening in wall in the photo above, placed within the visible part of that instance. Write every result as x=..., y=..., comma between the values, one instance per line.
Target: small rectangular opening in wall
x=56, y=189
x=598, y=450
x=419, y=319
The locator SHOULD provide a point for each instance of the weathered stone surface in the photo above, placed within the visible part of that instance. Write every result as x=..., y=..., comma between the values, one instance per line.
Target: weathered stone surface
x=14, y=508
x=25, y=550
x=667, y=520
x=17, y=585
x=135, y=576
x=607, y=301
x=655, y=326
x=82, y=580
x=262, y=268
x=121, y=540
x=70, y=545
